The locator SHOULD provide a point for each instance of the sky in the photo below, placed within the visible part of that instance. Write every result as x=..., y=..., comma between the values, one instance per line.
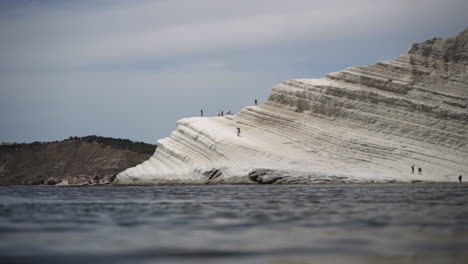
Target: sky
x=131, y=69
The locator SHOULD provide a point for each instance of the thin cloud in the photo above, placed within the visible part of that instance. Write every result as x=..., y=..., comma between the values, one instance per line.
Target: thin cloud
x=67, y=36
x=133, y=68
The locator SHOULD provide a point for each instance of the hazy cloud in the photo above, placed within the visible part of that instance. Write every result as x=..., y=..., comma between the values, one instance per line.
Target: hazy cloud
x=132, y=68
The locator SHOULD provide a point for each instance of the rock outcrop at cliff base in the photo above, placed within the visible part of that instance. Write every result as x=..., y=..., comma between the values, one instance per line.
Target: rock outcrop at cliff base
x=362, y=124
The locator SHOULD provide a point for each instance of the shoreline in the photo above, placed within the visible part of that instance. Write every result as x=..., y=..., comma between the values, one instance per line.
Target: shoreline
x=249, y=184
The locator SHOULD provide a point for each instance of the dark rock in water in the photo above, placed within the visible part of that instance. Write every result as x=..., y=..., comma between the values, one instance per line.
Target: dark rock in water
x=265, y=176
x=37, y=182
x=270, y=176
x=52, y=182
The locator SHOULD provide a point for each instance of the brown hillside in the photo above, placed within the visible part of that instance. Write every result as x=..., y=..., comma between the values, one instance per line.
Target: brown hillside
x=87, y=156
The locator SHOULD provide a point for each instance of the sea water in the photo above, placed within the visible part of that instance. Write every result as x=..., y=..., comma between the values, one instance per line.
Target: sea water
x=376, y=223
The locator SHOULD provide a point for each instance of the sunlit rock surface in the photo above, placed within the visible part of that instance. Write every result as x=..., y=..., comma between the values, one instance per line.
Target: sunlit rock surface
x=363, y=124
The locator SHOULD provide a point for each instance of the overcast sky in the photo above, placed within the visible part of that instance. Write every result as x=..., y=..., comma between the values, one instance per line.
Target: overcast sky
x=131, y=69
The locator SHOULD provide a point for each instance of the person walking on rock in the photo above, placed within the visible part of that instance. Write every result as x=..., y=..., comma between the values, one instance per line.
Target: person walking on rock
x=255, y=101
x=201, y=112
x=420, y=170
x=238, y=132
x=412, y=169
x=460, y=178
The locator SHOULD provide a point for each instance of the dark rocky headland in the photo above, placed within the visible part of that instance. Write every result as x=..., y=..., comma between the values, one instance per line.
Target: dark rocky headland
x=75, y=160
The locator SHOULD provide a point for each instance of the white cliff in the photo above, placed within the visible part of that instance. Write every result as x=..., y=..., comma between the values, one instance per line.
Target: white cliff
x=363, y=124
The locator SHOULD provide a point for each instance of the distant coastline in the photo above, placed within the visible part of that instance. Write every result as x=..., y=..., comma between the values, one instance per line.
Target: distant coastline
x=73, y=161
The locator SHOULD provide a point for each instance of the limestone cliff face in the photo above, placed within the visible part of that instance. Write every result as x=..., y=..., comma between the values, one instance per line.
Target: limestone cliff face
x=365, y=123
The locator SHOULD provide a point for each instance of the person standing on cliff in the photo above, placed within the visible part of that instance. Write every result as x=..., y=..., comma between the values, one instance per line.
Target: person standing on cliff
x=412, y=169
x=255, y=101
x=238, y=132
x=460, y=178
x=201, y=112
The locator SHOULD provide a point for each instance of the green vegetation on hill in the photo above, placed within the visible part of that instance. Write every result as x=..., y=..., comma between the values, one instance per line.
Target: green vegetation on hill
x=119, y=143
x=135, y=146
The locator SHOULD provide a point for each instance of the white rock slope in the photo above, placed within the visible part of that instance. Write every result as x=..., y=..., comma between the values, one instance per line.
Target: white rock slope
x=363, y=124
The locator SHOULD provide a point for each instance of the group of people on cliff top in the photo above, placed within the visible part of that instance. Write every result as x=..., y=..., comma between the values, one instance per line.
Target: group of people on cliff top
x=460, y=178
x=221, y=112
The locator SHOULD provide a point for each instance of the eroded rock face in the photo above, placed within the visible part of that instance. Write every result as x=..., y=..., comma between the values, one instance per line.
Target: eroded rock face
x=370, y=123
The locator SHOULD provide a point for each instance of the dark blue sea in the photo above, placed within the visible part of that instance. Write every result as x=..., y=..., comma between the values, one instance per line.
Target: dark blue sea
x=376, y=223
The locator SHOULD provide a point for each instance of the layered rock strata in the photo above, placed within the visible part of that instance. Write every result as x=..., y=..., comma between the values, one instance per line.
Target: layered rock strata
x=362, y=124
